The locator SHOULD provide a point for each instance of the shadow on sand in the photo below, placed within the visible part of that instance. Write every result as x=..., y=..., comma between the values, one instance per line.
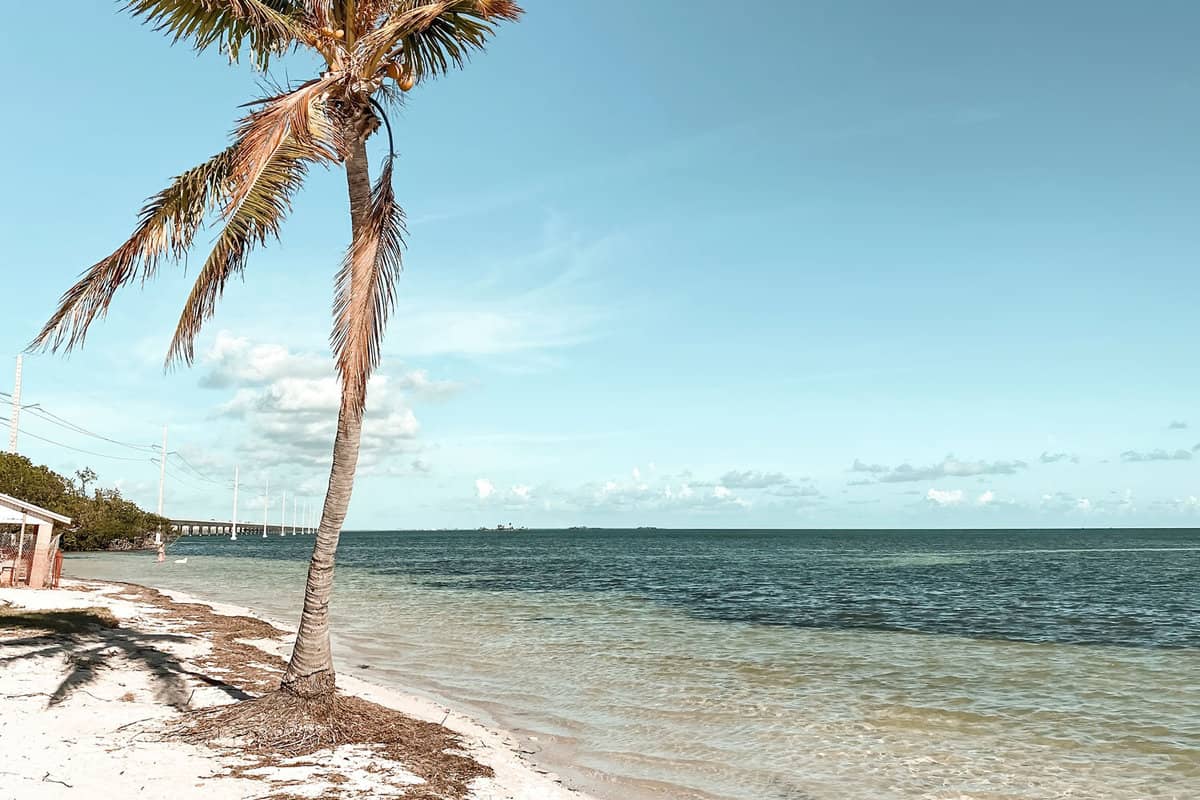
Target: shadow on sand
x=92, y=640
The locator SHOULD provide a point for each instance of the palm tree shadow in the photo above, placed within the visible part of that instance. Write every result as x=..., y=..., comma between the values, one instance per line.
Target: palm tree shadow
x=91, y=641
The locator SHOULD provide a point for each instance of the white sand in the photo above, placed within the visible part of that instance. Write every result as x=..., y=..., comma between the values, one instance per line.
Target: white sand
x=100, y=739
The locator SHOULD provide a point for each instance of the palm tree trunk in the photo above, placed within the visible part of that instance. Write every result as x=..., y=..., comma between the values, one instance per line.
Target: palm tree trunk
x=310, y=672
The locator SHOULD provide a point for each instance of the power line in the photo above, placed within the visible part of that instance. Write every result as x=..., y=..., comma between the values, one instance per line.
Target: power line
x=191, y=473
x=191, y=484
x=55, y=419
x=185, y=479
x=76, y=449
x=197, y=472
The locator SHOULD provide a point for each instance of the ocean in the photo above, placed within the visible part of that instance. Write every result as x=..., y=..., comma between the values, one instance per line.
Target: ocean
x=770, y=665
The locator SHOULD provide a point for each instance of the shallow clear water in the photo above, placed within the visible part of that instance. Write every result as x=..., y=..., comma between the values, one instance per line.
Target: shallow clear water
x=772, y=665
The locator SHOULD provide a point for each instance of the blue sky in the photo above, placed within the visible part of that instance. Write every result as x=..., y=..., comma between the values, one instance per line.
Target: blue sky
x=848, y=264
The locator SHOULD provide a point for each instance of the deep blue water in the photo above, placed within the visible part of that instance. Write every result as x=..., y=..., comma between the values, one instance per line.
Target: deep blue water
x=1122, y=587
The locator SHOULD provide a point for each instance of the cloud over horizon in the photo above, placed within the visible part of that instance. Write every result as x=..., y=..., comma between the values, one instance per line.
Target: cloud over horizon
x=751, y=479
x=1134, y=456
x=1054, y=458
x=949, y=467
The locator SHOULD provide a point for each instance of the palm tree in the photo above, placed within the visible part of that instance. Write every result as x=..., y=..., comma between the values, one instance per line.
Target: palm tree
x=248, y=187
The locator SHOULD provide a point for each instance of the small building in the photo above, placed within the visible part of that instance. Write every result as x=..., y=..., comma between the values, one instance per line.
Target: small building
x=29, y=548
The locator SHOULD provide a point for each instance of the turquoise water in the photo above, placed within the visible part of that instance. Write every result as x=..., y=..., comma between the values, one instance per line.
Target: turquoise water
x=772, y=665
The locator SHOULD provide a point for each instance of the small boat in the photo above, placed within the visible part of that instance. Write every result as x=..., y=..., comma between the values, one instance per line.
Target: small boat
x=181, y=561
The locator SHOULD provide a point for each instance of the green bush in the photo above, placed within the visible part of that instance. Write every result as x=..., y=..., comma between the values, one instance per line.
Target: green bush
x=98, y=520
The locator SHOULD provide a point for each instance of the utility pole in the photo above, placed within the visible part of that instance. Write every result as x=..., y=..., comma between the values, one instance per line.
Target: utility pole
x=16, y=409
x=162, y=480
x=233, y=538
x=295, y=503
x=266, y=504
x=283, y=515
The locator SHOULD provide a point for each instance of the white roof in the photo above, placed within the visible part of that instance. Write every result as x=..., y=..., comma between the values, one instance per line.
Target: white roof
x=12, y=510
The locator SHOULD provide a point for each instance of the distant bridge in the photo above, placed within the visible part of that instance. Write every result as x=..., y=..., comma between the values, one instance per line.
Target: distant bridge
x=210, y=527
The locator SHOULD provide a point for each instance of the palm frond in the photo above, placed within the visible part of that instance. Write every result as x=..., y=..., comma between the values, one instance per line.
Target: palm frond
x=321, y=13
x=368, y=13
x=303, y=116
x=257, y=218
x=366, y=290
x=430, y=38
x=168, y=224
x=267, y=27
x=274, y=145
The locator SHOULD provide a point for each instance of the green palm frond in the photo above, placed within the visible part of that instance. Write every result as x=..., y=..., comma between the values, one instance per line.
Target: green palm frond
x=266, y=27
x=366, y=291
x=431, y=38
x=169, y=222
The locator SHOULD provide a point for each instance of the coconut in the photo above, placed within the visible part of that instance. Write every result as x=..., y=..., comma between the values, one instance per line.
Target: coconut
x=402, y=75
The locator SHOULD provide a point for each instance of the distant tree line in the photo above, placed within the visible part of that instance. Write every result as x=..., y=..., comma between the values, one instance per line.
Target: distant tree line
x=100, y=518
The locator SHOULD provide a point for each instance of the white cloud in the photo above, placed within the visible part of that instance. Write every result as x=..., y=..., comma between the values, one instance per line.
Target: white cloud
x=289, y=401
x=484, y=488
x=236, y=361
x=1054, y=458
x=949, y=467
x=1133, y=456
x=521, y=491
x=987, y=497
x=1084, y=504
x=649, y=493
x=948, y=497
x=417, y=382
x=755, y=479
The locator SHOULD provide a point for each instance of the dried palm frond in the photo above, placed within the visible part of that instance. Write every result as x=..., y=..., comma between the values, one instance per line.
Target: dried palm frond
x=169, y=222
x=303, y=116
x=252, y=182
x=257, y=218
x=368, y=13
x=365, y=290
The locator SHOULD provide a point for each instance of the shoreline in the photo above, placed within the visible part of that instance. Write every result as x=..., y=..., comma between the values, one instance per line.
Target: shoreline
x=87, y=714
x=550, y=745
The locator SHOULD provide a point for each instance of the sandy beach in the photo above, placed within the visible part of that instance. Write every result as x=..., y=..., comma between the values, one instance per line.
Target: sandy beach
x=96, y=676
